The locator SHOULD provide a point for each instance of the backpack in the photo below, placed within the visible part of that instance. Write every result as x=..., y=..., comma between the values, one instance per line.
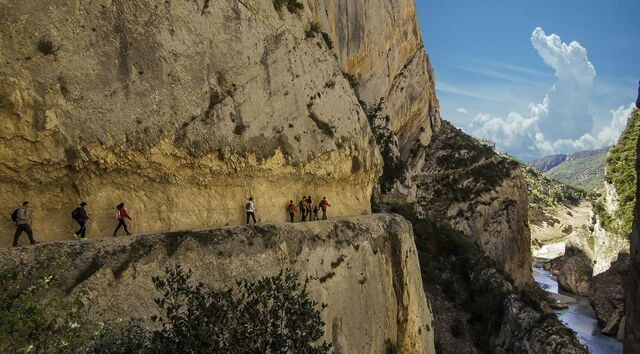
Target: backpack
x=14, y=216
x=248, y=206
x=117, y=215
x=75, y=214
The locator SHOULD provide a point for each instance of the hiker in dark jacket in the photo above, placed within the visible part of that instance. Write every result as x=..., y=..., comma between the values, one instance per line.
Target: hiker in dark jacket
x=302, y=205
x=292, y=210
x=23, y=224
x=121, y=215
x=309, y=207
x=80, y=215
x=638, y=99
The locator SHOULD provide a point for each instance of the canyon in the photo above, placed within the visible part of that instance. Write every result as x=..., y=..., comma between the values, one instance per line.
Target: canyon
x=184, y=109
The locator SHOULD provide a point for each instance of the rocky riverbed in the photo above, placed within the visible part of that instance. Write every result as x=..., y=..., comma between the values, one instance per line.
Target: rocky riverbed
x=579, y=315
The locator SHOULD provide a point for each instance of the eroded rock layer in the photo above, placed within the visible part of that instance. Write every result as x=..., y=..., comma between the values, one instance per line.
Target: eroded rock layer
x=366, y=269
x=184, y=109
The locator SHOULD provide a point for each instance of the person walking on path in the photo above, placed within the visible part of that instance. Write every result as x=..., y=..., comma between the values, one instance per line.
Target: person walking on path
x=79, y=214
x=22, y=218
x=302, y=205
x=309, y=207
x=121, y=215
x=324, y=204
x=292, y=210
x=251, y=210
x=315, y=213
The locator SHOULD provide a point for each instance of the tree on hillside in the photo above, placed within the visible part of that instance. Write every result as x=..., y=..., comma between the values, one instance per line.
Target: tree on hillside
x=271, y=315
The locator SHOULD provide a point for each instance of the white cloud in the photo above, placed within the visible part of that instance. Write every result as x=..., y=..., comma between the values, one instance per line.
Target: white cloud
x=461, y=110
x=562, y=122
x=564, y=114
x=610, y=134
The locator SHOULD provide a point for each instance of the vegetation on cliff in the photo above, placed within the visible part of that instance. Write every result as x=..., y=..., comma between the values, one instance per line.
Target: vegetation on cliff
x=621, y=173
x=551, y=203
x=35, y=318
x=271, y=315
x=548, y=193
x=466, y=167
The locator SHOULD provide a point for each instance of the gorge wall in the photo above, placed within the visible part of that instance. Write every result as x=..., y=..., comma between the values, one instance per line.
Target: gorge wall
x=480, y=193
x=366, y=269
x=632, y=289
x=184, y=109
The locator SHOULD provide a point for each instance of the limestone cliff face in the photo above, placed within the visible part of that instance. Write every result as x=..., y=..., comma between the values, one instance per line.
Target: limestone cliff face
x=184, y=109
x=481, y=194
x=632, y=289
x=366, y=269
x=591, y=250
x=606, y=293
x=379, y=42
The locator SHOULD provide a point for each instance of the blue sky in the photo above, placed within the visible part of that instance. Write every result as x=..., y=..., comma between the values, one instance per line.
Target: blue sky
x=534, y=92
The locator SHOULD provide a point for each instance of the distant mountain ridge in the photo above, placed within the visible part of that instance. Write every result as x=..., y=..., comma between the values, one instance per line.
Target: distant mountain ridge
x=548, y=162
x=584, y=170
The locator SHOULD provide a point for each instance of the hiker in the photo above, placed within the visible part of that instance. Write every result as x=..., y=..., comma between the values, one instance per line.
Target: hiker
x=292, y=210
x=302, y=205
x=324, y=204
x=121, y=215
x=638, y=99
x=250, y=210
x=315, y=213
x=309, y=207
x=22, y=218
x=79, y=214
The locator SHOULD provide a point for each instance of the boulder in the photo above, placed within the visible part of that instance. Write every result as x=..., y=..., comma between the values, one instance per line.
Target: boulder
x=575, y=272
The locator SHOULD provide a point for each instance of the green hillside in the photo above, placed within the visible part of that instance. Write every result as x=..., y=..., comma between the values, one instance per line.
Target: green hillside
x=545, y=194
x=583, y=170
x=621, y=173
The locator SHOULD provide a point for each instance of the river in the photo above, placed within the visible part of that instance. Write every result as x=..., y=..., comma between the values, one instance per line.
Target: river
x=580, y=316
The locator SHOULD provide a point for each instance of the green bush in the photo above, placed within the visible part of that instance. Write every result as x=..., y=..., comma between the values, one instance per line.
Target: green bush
x=36, y=318
x=326, y=128
x=46, y=46
x=313, y=30
x=327, y=40
x=353, y=81
x=293, y=6
x=240, y=128
x=271, y=315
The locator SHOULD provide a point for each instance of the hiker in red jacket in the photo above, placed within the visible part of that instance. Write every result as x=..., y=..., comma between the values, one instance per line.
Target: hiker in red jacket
x=292, y=209
x=121, y=214
x=324, y=204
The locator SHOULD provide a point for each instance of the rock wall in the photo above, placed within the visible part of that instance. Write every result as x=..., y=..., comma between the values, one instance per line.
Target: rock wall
x=525, y=327
x=184, y=109
x=592, y=249
x=481, y=194
x=606, y=293
x=366, y=269
x=632, y=290
x=379, y=42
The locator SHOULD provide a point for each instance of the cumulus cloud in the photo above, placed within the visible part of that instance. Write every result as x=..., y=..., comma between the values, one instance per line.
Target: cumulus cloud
x=461, y=110
x=562, y=122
